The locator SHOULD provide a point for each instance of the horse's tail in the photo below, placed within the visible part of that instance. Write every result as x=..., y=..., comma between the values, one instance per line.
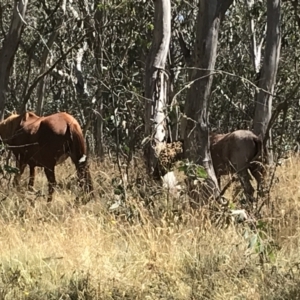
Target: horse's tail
x=257, y=163
x=259, y=148
x=79, y=156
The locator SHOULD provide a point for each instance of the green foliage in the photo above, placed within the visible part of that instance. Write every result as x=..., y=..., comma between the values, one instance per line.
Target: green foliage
x=192, y=170
x=260, y=241
x=10, y=170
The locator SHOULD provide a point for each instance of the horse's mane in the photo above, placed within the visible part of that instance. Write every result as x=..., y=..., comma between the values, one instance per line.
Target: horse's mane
x=9, y=125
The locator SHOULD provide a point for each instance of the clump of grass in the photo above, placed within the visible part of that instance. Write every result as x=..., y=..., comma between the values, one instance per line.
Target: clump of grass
x=151, y=247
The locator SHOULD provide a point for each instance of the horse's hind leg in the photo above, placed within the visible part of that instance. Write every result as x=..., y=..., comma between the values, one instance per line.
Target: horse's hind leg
x=258, y=172
x=245, y=180
x=21, y=166
x=51, y=181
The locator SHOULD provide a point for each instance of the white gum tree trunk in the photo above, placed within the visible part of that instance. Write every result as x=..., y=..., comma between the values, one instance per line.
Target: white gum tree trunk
x=263, y=109
x=156, y=84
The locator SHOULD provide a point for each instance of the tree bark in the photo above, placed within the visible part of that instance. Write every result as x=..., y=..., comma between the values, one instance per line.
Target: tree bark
x=263, y=109
x=156, y=84
x=255, y=50
x=10, y=46
x=99, y=129
x=100, y=21
x=195, y=123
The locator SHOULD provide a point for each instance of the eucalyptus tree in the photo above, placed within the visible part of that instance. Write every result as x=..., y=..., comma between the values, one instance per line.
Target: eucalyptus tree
x=156, y=84
x=196, y=130
x=267, y=80
x=10, y=46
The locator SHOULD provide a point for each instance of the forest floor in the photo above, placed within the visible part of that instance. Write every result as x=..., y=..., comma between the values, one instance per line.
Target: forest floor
x=66, y=251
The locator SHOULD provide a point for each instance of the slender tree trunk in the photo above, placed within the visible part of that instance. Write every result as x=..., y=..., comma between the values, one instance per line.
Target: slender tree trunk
x=41, y=85
x=174, y=114
x=156, y=84
x=100, y=20
x=195, y=126
x=99, y=128
x=9, y=49
x=41, y=76
x=263, y=109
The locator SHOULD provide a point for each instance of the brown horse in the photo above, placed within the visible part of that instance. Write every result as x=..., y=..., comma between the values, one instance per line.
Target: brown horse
x=46, y=142
x=238, y=152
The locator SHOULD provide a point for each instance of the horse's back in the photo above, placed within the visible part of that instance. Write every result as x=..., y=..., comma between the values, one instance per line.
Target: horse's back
x=244, y=145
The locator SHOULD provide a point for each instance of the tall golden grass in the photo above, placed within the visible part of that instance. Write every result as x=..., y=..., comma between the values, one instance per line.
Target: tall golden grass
x=160, y=251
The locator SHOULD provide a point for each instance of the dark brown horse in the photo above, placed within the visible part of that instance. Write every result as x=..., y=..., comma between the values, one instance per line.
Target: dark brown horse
x=238, y=152
x=46, y=142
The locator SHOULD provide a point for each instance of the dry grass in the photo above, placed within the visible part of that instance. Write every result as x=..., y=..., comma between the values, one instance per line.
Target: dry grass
x=64, y=251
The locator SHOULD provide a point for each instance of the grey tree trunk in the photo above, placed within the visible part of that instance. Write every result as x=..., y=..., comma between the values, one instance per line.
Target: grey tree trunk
x=10, y=47
x=195, y=124
x=99, y=130
x=156, y=84
x=263, y=109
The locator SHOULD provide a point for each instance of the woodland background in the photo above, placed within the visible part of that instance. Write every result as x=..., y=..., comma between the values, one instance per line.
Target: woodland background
x=94, y=54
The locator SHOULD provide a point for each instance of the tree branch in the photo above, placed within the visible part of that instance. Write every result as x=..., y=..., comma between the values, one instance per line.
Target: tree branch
x=37, y=79
x=282, y=106
x=223, y=5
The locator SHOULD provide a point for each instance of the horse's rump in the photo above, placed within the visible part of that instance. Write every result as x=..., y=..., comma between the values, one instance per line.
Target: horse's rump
x=238, y=152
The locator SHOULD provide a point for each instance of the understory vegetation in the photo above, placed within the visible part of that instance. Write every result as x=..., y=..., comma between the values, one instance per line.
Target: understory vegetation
x=138, y=241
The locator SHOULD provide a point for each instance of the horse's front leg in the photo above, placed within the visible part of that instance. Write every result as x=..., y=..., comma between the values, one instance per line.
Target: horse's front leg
x=51, y=181
x=245, y=180
x=21, y=166
x=31, y=177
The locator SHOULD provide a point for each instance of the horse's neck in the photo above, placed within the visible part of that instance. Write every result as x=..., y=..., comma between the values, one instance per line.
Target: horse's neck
x=216, y=137
x=32, y=120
